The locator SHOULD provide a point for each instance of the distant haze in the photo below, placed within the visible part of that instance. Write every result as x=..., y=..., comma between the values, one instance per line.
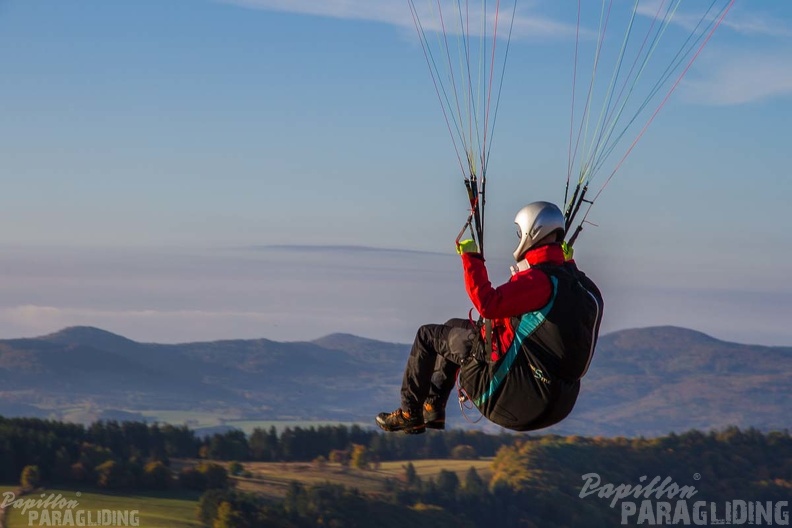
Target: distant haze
x=298, y=293
x=142, y=141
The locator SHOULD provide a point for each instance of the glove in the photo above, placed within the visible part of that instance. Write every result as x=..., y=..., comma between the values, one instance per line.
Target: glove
x=569, y=252
x=467, y=246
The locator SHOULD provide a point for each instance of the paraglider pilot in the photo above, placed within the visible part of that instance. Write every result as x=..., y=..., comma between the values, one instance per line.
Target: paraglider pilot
x=522, y=363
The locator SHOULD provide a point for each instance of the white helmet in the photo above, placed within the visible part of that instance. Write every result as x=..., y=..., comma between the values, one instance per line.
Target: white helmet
x=534, y=222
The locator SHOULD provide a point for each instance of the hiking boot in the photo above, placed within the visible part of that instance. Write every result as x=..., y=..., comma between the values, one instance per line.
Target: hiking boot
x=398, y=420
x=434, y=416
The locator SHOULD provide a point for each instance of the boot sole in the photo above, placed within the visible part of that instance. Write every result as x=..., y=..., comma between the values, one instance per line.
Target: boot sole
x=413, y=429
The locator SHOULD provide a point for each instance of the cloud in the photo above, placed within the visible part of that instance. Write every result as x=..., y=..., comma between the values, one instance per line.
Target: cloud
x=757, y=24
x=397, y=13
x=735, y=76
x=739, y=21
x=740, y=79
x=385, y=11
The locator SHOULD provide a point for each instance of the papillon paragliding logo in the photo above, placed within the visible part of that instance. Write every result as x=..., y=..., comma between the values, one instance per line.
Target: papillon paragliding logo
x=663, y=502
x=57, y=510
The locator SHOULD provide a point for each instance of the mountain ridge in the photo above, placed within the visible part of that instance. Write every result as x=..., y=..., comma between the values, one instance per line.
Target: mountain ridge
x=642, y=381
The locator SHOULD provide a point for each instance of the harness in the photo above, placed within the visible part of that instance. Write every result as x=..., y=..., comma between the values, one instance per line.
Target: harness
x=535, y=383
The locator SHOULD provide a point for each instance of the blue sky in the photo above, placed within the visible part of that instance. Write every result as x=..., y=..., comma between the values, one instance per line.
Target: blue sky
x=144, y=145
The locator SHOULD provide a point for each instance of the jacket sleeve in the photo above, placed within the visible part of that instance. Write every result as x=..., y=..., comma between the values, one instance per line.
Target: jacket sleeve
x=526, y=292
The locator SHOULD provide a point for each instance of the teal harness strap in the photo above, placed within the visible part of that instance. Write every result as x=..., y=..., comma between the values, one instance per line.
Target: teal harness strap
x=528, y=325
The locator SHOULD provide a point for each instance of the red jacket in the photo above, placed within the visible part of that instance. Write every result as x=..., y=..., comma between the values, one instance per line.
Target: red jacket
x=527, y=291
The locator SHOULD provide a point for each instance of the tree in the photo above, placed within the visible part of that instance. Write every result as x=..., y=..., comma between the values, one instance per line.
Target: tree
x=135, y=472
x=7, y=465
x=235, y=468
x=232, y=445
x=320, y=463
x=156, y=476
x=464, y=452
x=360, y=457
x=474, y=484
x=110, y=475
x=228, y=517
x=447, y=483
x=209, y=504
x=510, y=468
x=30, y=478
x=78, y=472
x=191, y=478
x=216, y=476
x=339, y=456
x=92, y=455
x=263, y=445
x=61, y=470
x=411, y=476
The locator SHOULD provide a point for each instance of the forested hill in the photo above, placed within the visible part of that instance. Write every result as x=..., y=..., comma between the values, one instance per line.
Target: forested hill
x=652, y=381
x=338, y=476
x=642, y=382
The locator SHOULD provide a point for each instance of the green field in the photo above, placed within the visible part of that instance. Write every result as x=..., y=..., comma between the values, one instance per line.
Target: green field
x=194, y=419
x=272, y=478
x=249, y=425
x=198, y=420
x=155, y=511
x=431, y=468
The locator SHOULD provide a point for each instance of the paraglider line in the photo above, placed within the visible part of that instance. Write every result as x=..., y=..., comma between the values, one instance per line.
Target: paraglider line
x=666, y=98
x=651, y=119
x=572, y=116
x=502, y=77
x=591, y=84
x=429, y=61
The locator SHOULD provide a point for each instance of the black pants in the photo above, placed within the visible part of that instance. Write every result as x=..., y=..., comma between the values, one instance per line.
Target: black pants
x=435, y=357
